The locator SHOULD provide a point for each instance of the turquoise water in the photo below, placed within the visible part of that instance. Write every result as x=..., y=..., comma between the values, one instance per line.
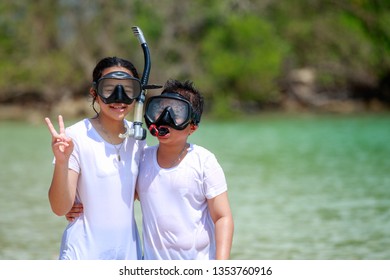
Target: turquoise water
x=301, y=187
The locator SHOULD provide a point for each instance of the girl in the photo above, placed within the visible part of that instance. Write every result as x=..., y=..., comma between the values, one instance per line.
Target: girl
x=96, y=165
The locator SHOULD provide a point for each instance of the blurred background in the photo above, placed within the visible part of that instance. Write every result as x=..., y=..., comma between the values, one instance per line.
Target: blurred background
x=245, y=55
x=299, y=92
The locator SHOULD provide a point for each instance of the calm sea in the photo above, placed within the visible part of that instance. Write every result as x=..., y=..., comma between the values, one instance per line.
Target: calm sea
x=301, y=187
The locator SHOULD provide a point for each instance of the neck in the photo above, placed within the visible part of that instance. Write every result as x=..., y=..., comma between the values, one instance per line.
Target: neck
x=112, y=126
x=110, y=129
x=170, y=156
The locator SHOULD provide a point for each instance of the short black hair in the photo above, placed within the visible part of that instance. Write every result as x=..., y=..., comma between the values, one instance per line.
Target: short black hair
x=188, y=91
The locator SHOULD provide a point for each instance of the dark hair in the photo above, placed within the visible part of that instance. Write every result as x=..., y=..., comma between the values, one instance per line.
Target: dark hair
x=188, y=91
x=110, y=62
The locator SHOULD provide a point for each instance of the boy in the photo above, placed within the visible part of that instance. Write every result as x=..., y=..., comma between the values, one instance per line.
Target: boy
x=181, y=186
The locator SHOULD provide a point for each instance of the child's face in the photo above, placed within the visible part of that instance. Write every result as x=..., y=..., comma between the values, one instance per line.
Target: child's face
x=117, y=111
x=118, y=86
x=167, y=111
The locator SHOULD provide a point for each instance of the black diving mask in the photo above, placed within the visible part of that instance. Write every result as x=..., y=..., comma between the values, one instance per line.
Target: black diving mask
x=168, y=110
x=118, y=87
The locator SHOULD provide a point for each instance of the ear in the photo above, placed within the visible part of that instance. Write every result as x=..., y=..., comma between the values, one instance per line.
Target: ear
x=193, y=127
x=93, y=92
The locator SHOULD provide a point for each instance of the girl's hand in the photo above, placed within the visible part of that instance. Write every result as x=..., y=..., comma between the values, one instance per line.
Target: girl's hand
x=62, y=145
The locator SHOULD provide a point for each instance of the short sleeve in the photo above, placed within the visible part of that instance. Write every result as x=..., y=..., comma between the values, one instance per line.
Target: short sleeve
x=214, y=178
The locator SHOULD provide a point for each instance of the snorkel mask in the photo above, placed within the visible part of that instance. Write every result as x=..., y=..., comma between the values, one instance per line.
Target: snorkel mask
x=168, y=110
x=118, y=87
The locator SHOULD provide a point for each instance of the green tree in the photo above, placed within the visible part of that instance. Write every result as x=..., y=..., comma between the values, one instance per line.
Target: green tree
x=241, y=60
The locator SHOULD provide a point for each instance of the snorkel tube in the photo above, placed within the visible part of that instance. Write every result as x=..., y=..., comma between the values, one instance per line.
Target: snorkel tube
x=138, y=132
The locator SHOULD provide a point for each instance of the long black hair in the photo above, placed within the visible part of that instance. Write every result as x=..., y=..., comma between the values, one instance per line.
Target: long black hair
x=110, y=62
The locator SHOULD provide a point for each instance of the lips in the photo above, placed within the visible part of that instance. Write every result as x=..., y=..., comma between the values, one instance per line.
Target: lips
x=118, y=107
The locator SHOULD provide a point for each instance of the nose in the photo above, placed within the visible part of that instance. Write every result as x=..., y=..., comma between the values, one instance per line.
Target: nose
x=119, y=93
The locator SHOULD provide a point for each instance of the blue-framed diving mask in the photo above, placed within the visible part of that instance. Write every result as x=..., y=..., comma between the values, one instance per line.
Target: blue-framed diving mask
x=168, y=110
x=118, y=87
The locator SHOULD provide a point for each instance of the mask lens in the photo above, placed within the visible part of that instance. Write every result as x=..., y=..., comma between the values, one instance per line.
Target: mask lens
x=107, y=86
x=178, y=110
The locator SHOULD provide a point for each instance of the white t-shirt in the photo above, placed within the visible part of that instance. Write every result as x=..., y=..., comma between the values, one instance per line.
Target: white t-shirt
x=107, y=228
x=176, y=221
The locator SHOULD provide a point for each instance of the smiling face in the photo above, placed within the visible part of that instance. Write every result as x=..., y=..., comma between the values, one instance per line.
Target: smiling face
x=118, y=87
x=115, y=111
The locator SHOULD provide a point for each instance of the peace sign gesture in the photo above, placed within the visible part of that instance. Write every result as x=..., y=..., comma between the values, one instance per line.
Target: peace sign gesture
x=61, y=144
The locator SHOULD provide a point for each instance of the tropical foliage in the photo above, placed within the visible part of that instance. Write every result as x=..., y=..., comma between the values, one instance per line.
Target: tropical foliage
x=240, y=53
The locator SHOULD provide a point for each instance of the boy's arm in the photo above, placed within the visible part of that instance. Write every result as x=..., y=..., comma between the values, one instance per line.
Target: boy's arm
x=221, y=214
x=75, y=212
